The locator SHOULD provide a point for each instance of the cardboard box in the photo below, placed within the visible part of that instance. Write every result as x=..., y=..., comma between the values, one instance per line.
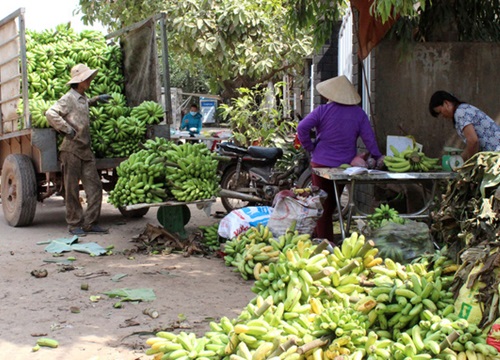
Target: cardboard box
x=401, y=143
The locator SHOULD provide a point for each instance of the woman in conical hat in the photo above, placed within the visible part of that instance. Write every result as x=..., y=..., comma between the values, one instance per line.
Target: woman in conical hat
x=338, y=125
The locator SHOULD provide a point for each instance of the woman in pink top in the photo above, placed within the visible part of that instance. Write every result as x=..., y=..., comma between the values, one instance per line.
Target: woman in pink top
x=338, y=125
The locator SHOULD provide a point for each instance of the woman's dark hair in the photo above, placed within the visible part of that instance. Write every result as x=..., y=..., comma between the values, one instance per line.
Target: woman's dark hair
x=73, y=86
x=438, y=99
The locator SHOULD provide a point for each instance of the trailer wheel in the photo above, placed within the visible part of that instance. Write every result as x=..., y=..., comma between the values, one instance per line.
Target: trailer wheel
x=19, y=190
x=133, y=214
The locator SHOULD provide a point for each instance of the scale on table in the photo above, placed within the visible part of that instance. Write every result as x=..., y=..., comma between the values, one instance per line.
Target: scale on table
x=451, y=159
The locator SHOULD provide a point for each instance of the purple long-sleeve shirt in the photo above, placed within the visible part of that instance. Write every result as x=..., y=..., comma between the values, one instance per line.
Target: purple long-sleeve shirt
x=337, y=130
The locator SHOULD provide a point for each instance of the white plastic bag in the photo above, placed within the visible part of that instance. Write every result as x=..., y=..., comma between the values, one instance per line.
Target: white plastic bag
x=240, y=220
x=305, y=211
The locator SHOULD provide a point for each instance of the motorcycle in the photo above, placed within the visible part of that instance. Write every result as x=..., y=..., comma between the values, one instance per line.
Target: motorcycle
x=251, y=175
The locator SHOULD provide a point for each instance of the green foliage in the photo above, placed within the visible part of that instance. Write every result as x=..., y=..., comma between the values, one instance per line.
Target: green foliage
x=238, y=44
x=254, y=116
x=189, y=80
x=464, y=20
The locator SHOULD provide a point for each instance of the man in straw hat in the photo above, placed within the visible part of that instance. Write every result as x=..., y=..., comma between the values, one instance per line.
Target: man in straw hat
x=70, y=117
x=338, y=125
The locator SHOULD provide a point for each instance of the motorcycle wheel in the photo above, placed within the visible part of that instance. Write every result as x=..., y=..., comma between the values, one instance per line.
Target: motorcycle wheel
x=305, y=180
x=229, y=182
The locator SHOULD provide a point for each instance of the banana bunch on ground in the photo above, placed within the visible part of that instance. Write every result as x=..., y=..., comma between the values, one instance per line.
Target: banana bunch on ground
x=305, y=270
x=410, y=159
x=403, y=294
x=403, y=312
x=192, y=174
x=141, y=179
x=186, y=346
x=442, y=338
x=250, y=252
x=148, y=113
x=211, y=236
x=382, y=215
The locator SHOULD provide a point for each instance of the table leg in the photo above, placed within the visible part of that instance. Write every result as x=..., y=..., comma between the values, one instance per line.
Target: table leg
x=173, y=218
x=339, y=210
x=352, y=206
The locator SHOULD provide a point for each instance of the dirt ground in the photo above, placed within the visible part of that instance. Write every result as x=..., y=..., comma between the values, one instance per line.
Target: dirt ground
x=190, y=291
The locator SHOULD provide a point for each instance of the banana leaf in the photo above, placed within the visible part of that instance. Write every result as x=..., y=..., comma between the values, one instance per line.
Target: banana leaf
x=132, y=294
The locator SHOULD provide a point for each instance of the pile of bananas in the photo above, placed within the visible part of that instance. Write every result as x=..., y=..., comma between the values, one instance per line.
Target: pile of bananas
x=410, y=159
x=192, y=174
x=211, y=236
x=305, y=270
x=51, y=54
x=335, y=306
x=251, y=251
x=158, y=173
x=402, y=312
x=116, y=129
x=382, y=215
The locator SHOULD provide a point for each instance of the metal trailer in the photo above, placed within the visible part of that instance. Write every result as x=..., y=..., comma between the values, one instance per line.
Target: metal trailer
x=29, y=167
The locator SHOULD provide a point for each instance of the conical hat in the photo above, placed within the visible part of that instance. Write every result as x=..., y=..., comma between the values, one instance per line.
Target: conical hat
x=80, y=73
x=340, y=90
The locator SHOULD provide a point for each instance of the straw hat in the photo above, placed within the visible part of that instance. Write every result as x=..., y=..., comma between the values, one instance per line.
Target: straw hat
x=340, y=90
x=80, y=73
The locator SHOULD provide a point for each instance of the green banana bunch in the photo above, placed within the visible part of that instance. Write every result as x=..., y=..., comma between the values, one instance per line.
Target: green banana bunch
x=382, y=215
x=37, y=107
x=211, y=236
x=250, y=251
x=148, y=113
x=411, y=159
x=140, y=180
x=192, y=174
x=149, y=175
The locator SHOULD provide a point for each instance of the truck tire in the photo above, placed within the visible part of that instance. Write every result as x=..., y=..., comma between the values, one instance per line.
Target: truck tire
x=19, y=190
x=133, y=214
x=305, y=180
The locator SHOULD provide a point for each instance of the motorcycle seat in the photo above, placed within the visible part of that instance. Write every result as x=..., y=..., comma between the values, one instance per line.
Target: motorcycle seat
x=228, y=147
x=264, y=152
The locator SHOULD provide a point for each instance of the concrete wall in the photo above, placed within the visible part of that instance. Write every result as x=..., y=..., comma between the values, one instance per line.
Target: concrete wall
x=471, y=71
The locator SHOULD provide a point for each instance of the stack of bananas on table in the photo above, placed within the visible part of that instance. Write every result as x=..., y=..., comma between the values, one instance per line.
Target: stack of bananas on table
x=382, y=215
x=194, y=175
x=211, y=236
x=335, y=307
x=160, y=171
x=116, y=129
x=141, y=179
x=410, y=159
